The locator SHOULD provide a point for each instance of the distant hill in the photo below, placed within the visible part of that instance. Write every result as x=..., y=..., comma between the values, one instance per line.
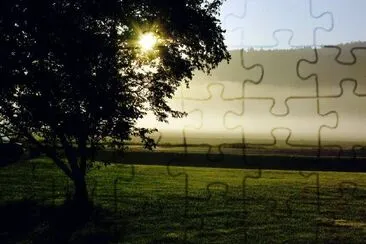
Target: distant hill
x=231, y=71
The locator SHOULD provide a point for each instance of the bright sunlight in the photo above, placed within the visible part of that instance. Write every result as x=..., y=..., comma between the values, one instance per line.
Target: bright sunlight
x=147, y=41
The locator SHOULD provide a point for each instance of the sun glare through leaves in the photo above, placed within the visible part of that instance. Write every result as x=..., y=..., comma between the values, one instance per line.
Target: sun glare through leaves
x=147, y=41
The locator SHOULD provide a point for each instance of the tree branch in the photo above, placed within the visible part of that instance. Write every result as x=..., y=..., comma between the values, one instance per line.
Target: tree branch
x=70, y=153
x=51, y=153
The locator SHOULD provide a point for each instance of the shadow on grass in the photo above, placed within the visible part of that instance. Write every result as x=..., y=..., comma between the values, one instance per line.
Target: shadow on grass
x=276, y=162
x=30, y=222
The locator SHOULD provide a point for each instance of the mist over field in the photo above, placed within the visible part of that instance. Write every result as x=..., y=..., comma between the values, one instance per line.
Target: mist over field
x=270, y=96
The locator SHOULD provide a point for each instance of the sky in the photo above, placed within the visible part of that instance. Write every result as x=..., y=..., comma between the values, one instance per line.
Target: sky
x=257, y=23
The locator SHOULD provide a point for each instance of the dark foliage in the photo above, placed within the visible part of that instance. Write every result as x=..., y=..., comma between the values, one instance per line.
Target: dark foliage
x=10, y=153
x=72, y=76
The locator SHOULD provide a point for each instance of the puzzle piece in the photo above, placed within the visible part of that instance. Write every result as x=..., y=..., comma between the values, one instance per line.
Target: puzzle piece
x=243, y=25
x=117, y=180
x=281, y=141
x=198, y=100
x=331, y=66
x=346, y=15
x=256, y=121
x=209, y=125
x=306, y=202
x=310, y=193
x=256, y=203
x=347, y=103
x=232, y=75
x=213, y=219
x=280, y=81
x=348, y=198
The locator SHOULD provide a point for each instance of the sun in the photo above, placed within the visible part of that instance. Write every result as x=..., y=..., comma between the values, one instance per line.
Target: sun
x=147, y=41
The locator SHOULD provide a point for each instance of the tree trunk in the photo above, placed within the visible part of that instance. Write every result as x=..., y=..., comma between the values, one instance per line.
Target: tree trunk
x=80, y=206
x=81, y=192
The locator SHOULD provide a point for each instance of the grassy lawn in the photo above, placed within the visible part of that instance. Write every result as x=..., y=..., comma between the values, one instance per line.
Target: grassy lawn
x=160, y=204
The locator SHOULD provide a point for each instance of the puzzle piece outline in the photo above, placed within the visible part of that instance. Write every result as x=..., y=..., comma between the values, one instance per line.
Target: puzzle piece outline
x=275, y=31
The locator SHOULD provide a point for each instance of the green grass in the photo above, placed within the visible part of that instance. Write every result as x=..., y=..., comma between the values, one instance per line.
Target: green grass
x=148, y=204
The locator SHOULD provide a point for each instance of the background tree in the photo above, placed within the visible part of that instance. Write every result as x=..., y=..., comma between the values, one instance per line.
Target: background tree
x=72, y=74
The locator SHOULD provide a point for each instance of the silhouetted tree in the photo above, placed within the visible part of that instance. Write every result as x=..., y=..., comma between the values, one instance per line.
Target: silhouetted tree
x=71, y=74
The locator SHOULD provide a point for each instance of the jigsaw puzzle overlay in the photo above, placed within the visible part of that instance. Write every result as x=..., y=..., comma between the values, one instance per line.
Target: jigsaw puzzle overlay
x=285, y=109
x=304, y=101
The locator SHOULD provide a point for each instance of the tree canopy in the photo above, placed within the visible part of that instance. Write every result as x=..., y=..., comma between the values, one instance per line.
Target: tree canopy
x=72, y=73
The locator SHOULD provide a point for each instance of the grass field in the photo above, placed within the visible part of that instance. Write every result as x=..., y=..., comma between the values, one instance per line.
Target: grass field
x=160, y=204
